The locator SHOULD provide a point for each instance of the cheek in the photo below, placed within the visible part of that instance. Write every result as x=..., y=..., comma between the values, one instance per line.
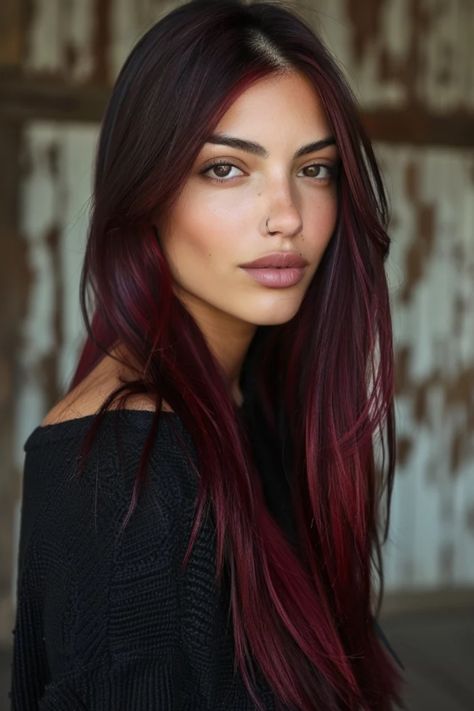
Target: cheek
x=212, y=230
x=322, y=219
x=196, y=241
x=331, y=217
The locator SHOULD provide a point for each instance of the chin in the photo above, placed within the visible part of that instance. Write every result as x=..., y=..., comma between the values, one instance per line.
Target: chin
x=276, y=316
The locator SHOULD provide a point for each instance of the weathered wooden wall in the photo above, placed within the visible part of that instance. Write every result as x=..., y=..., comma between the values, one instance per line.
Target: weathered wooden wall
x=411, y=64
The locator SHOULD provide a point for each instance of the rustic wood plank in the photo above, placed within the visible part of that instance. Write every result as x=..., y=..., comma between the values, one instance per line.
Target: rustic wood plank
x=420, y=127
x=12, y=37
x=25, y=97
x=15, y=279
x=28, y=97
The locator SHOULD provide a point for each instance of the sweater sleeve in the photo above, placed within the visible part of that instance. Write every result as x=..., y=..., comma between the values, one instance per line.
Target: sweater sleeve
x=97, y=620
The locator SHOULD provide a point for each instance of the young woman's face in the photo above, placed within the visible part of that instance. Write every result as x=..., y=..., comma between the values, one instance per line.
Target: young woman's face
x=217, y=225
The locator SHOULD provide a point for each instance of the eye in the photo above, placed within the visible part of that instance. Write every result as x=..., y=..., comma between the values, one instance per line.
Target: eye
x=320, y=171
x=222, y=172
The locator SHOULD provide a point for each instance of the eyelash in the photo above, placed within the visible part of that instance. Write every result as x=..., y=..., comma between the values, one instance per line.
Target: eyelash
x=332, y=170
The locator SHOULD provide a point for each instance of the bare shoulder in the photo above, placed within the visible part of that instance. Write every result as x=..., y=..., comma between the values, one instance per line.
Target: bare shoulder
x=87, y=397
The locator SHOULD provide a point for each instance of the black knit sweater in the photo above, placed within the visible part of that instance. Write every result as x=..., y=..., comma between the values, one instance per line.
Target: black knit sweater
x=109, y=622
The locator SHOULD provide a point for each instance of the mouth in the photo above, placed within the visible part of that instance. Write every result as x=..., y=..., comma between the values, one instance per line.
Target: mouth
x=277, y=260
x=276, y=277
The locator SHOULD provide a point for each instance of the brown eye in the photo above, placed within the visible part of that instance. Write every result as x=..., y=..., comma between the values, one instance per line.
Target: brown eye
x=319, y=171
x=221, y=171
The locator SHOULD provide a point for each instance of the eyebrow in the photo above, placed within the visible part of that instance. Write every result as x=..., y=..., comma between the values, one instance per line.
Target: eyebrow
x=255, y=148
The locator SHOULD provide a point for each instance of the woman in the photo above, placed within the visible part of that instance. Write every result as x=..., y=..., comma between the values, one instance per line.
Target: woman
x=238, y=365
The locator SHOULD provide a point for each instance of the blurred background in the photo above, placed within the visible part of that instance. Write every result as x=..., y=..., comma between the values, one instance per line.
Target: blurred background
x=411, y=65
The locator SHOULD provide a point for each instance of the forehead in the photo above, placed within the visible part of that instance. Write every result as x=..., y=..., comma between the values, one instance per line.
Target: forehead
x=278, y=102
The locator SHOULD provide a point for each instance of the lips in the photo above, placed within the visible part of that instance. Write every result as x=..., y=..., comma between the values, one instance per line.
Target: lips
x=277, y=260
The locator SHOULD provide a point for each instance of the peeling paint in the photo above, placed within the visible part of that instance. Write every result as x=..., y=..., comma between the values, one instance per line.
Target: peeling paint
x=402, y=53
x=430, y=272
x=55, y=196
x=59, y=38
x=397, y=53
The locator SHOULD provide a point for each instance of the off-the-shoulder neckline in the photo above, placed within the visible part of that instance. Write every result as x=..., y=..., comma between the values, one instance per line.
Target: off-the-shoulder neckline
x=85, y=418
x=70, y=427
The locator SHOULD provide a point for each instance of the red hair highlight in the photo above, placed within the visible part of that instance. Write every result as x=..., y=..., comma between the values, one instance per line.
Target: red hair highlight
x=323, y=383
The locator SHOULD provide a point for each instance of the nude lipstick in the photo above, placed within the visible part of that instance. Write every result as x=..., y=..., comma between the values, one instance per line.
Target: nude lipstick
x=278, y=270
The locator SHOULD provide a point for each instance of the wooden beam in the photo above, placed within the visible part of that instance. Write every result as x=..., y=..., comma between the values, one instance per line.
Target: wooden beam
x=12, y=32
x=30, y=97
x=396, y=602
x=418, y=126
x=15, y=281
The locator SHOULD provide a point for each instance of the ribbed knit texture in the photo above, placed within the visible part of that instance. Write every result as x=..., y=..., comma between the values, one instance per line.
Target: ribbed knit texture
x=107, y=622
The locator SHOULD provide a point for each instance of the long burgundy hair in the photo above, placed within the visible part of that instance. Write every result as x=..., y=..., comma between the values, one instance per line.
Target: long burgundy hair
x=305, y=616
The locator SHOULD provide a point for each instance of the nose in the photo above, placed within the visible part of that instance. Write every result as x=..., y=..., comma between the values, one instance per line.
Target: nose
x=282, y=215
